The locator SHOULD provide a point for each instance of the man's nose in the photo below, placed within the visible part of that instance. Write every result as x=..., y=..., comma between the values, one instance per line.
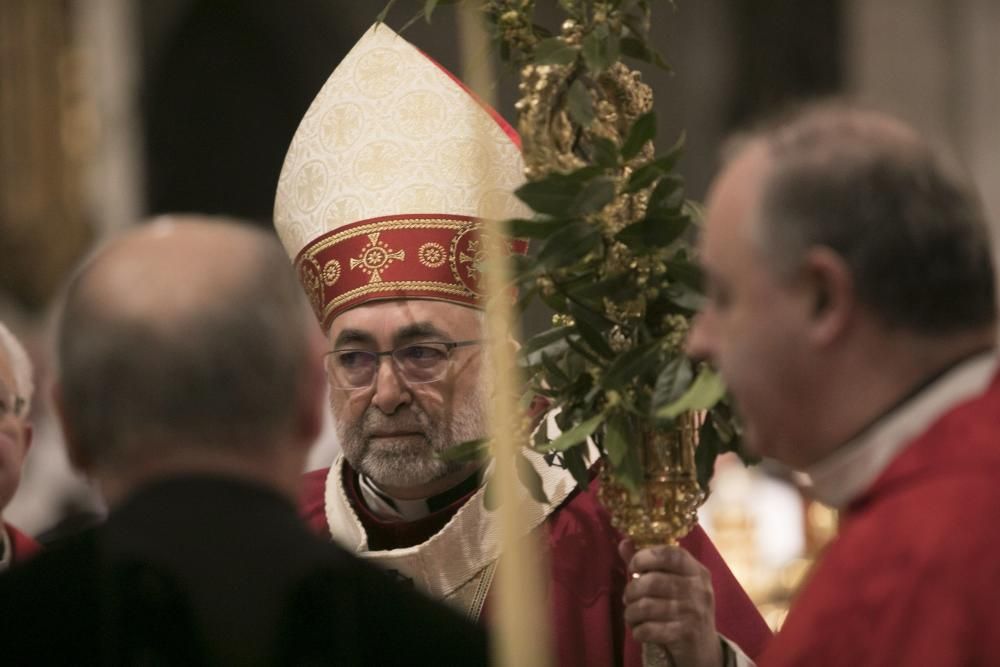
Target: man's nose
x=390, y=390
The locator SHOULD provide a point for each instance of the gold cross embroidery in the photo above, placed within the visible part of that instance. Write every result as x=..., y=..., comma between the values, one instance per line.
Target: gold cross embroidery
x=475, y=260
x=375, y=257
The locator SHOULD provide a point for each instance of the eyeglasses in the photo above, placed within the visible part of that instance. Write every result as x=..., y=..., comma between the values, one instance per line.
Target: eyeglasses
x=416, y=364
x=10, y=403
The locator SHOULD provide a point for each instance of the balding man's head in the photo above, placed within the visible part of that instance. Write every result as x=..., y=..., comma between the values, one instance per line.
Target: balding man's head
x=870, y=188
x=173, y=269
x=185, y=333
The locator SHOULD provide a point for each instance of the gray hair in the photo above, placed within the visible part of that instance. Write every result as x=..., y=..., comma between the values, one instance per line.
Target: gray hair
x=908, y=224
x=20, y=364
x=228, y=375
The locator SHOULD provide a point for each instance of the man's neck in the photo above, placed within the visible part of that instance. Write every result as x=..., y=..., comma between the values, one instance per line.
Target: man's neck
x=880, y=376
x=852, y=468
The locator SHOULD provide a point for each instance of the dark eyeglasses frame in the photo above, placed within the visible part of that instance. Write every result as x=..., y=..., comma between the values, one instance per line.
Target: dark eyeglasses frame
x=448, y=345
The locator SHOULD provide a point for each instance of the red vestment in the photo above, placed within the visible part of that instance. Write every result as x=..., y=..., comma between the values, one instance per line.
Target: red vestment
x=912, y=577
x=587, y=575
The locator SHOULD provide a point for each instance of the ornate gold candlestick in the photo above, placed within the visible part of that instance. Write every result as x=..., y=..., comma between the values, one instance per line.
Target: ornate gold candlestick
x=665, y=508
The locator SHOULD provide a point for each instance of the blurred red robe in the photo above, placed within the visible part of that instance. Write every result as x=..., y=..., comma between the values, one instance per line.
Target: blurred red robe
x=913, y=577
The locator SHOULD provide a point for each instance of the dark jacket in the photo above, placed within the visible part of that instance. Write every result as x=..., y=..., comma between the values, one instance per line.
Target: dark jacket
x=213, y=571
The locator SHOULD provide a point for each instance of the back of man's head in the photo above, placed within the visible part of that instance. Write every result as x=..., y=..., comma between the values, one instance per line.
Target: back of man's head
x=186, y=336
x=905, y=220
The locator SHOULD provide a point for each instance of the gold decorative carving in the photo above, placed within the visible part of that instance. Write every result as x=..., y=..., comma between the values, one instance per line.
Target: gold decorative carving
x=665, y=508
x=475, y=260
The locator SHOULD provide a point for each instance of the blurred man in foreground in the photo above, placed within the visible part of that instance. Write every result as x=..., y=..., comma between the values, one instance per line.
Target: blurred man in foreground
x=190, y=390
x=851, y=311
x=16, y=388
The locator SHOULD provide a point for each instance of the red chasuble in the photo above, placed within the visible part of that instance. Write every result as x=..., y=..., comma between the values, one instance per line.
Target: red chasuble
x=913, y=577
x=587, y=575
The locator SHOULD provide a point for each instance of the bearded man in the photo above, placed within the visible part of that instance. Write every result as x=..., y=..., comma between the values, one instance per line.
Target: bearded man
x=380, y=203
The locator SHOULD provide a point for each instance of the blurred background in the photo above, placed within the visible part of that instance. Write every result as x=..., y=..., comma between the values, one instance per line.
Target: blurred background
x=115, y=110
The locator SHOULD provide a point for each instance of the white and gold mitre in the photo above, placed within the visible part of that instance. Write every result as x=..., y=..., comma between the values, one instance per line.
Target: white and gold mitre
x=386, y=180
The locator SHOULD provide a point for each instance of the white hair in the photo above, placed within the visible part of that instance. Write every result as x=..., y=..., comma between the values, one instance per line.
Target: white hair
x=20, y=365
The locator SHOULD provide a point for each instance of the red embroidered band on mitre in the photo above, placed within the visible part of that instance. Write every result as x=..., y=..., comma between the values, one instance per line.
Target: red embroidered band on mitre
x=421, y=256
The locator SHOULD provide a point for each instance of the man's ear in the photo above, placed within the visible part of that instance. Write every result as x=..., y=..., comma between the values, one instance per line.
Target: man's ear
x=828, y=283
x=75, y=452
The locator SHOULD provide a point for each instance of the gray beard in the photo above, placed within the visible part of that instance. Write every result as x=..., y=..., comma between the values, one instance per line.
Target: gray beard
x=411, y=461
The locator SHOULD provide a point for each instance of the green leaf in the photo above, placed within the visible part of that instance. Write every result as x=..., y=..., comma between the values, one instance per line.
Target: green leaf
x=647, y=174
x=592, y=337
x=540, y=31
x=530, y=477
x=723, y=428
x=550, y=196
x=595, y=319
x=556, y=301
x=533, y=229
x=661, y=166
x=467, y=451
x=651, y=233
x=659, y=61
x=675, y=377
x=704, y=392
x=575, y=435
x=684, y=296
x=617, y=438
x=629, y=472
x=556, y=375
x=686, y=272
x=662, y=200
x=610, y=287
x=707, y=451
x=694, y=210
x=569, y=244
x=545, y=339
x=643, y=130
x=595, y=196
x=600, y=49
x=583, y=351
x=555, y=51
x=571, y=7
x=627, y=366
x=604, y=152
x=385, y=12
x=633, y=47
x=429, y=6
x=581, y=107
x=637, y=25
x=555, y=194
